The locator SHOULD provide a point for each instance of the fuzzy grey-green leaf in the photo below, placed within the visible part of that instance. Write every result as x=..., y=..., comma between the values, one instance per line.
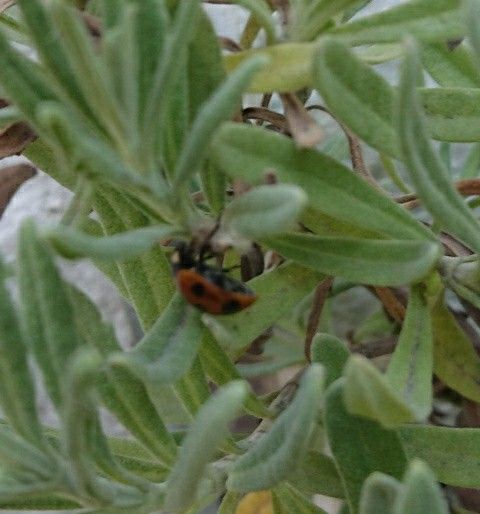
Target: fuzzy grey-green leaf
x=208, y=430
x=427, y=172
x=356, y=95
x=377, y=262
x=72, y=243
x=264, y=211
x=281, y=449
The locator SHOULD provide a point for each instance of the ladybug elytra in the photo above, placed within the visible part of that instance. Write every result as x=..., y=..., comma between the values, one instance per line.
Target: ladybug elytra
x=206, y=287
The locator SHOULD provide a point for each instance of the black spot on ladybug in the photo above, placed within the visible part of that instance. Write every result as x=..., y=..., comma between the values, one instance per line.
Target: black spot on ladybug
x=197, y=289
x=231, y=306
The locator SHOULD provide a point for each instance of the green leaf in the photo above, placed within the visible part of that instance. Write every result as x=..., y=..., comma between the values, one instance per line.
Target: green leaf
x=452, y=113
x=431, y=179
x=219, y=108
x=205, y=64
x=168, y=73
x=471, y=164
x=359, y=446
x=410, y=369
x=455, y=361
x=17, y=390
x=193, y=389
x=452, y=453
x=308, y=18
x=169, y=348
x=450, y=67
x=48, y=45
x=472, y=17
x=47, y=318
x=356, y=95
x=21, y=80
x=284, y=446
x=73, y=244
x=287, y=499
x=221, y=370
x=214, y=185
x=79, y=377
x=317, y=474
x=121, y=392
x=288, y=67
x=427, y=20
x=378, y=494
x=421, y=494
x=367, y=393
x=229, y=503
x=249, y=152
x=86, y=66
x=148, y=278
x=16, y=454
x=278, y=292
x=332, y=353
x=262, y=14
x=150, y=31
x=208, y=430
x=377, y=262
x=264, y=211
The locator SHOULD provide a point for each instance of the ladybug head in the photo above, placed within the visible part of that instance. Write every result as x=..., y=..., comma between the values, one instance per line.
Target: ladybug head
x=182, y=257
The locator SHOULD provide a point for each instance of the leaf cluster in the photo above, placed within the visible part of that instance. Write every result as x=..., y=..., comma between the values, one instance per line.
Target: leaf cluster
x=134, y=107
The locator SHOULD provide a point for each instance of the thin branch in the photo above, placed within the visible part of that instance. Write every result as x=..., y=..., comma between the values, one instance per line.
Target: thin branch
x=319, y=298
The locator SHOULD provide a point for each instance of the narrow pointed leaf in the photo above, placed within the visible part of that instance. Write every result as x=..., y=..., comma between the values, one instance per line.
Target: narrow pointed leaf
x=150, y=30
x=368, y=261
x=249, y=152
x=288, y=67
x=79, y=413
x=48, y=45
x=359, y=446
x=332, y=353
x=283, y=447
x=356, y=95
x=288, y=499
x=168, y=349
x=73, y=244
x=87, y=69
x=273, y=302
x=452, y=453
x=21, y=80
x=456, y=362
x=47, y=318
x=148, y=278
x=427, y=20
x=421, y=494
x=367, y=393
x=17, y=389
x=219, y=108
x=221, y=370
x=209, y=429
x=264, y=211
x=205, y=64
x=450, y=67
x=452, y=113
x=410, y=369
x=317, y=474
x=121, y=391
x=427, y=172
x=378, y=494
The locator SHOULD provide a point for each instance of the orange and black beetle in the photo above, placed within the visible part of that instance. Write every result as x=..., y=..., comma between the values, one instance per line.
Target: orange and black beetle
x=207, y=288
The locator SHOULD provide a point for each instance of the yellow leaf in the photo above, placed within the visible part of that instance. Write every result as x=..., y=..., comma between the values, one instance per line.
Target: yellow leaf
x=259, y=502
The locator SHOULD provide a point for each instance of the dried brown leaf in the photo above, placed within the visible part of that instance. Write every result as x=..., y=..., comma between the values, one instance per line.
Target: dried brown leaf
x=15, y=138
x=11, y=178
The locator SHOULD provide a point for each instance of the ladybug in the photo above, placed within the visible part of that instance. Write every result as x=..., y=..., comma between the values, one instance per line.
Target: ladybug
x=206, y=287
